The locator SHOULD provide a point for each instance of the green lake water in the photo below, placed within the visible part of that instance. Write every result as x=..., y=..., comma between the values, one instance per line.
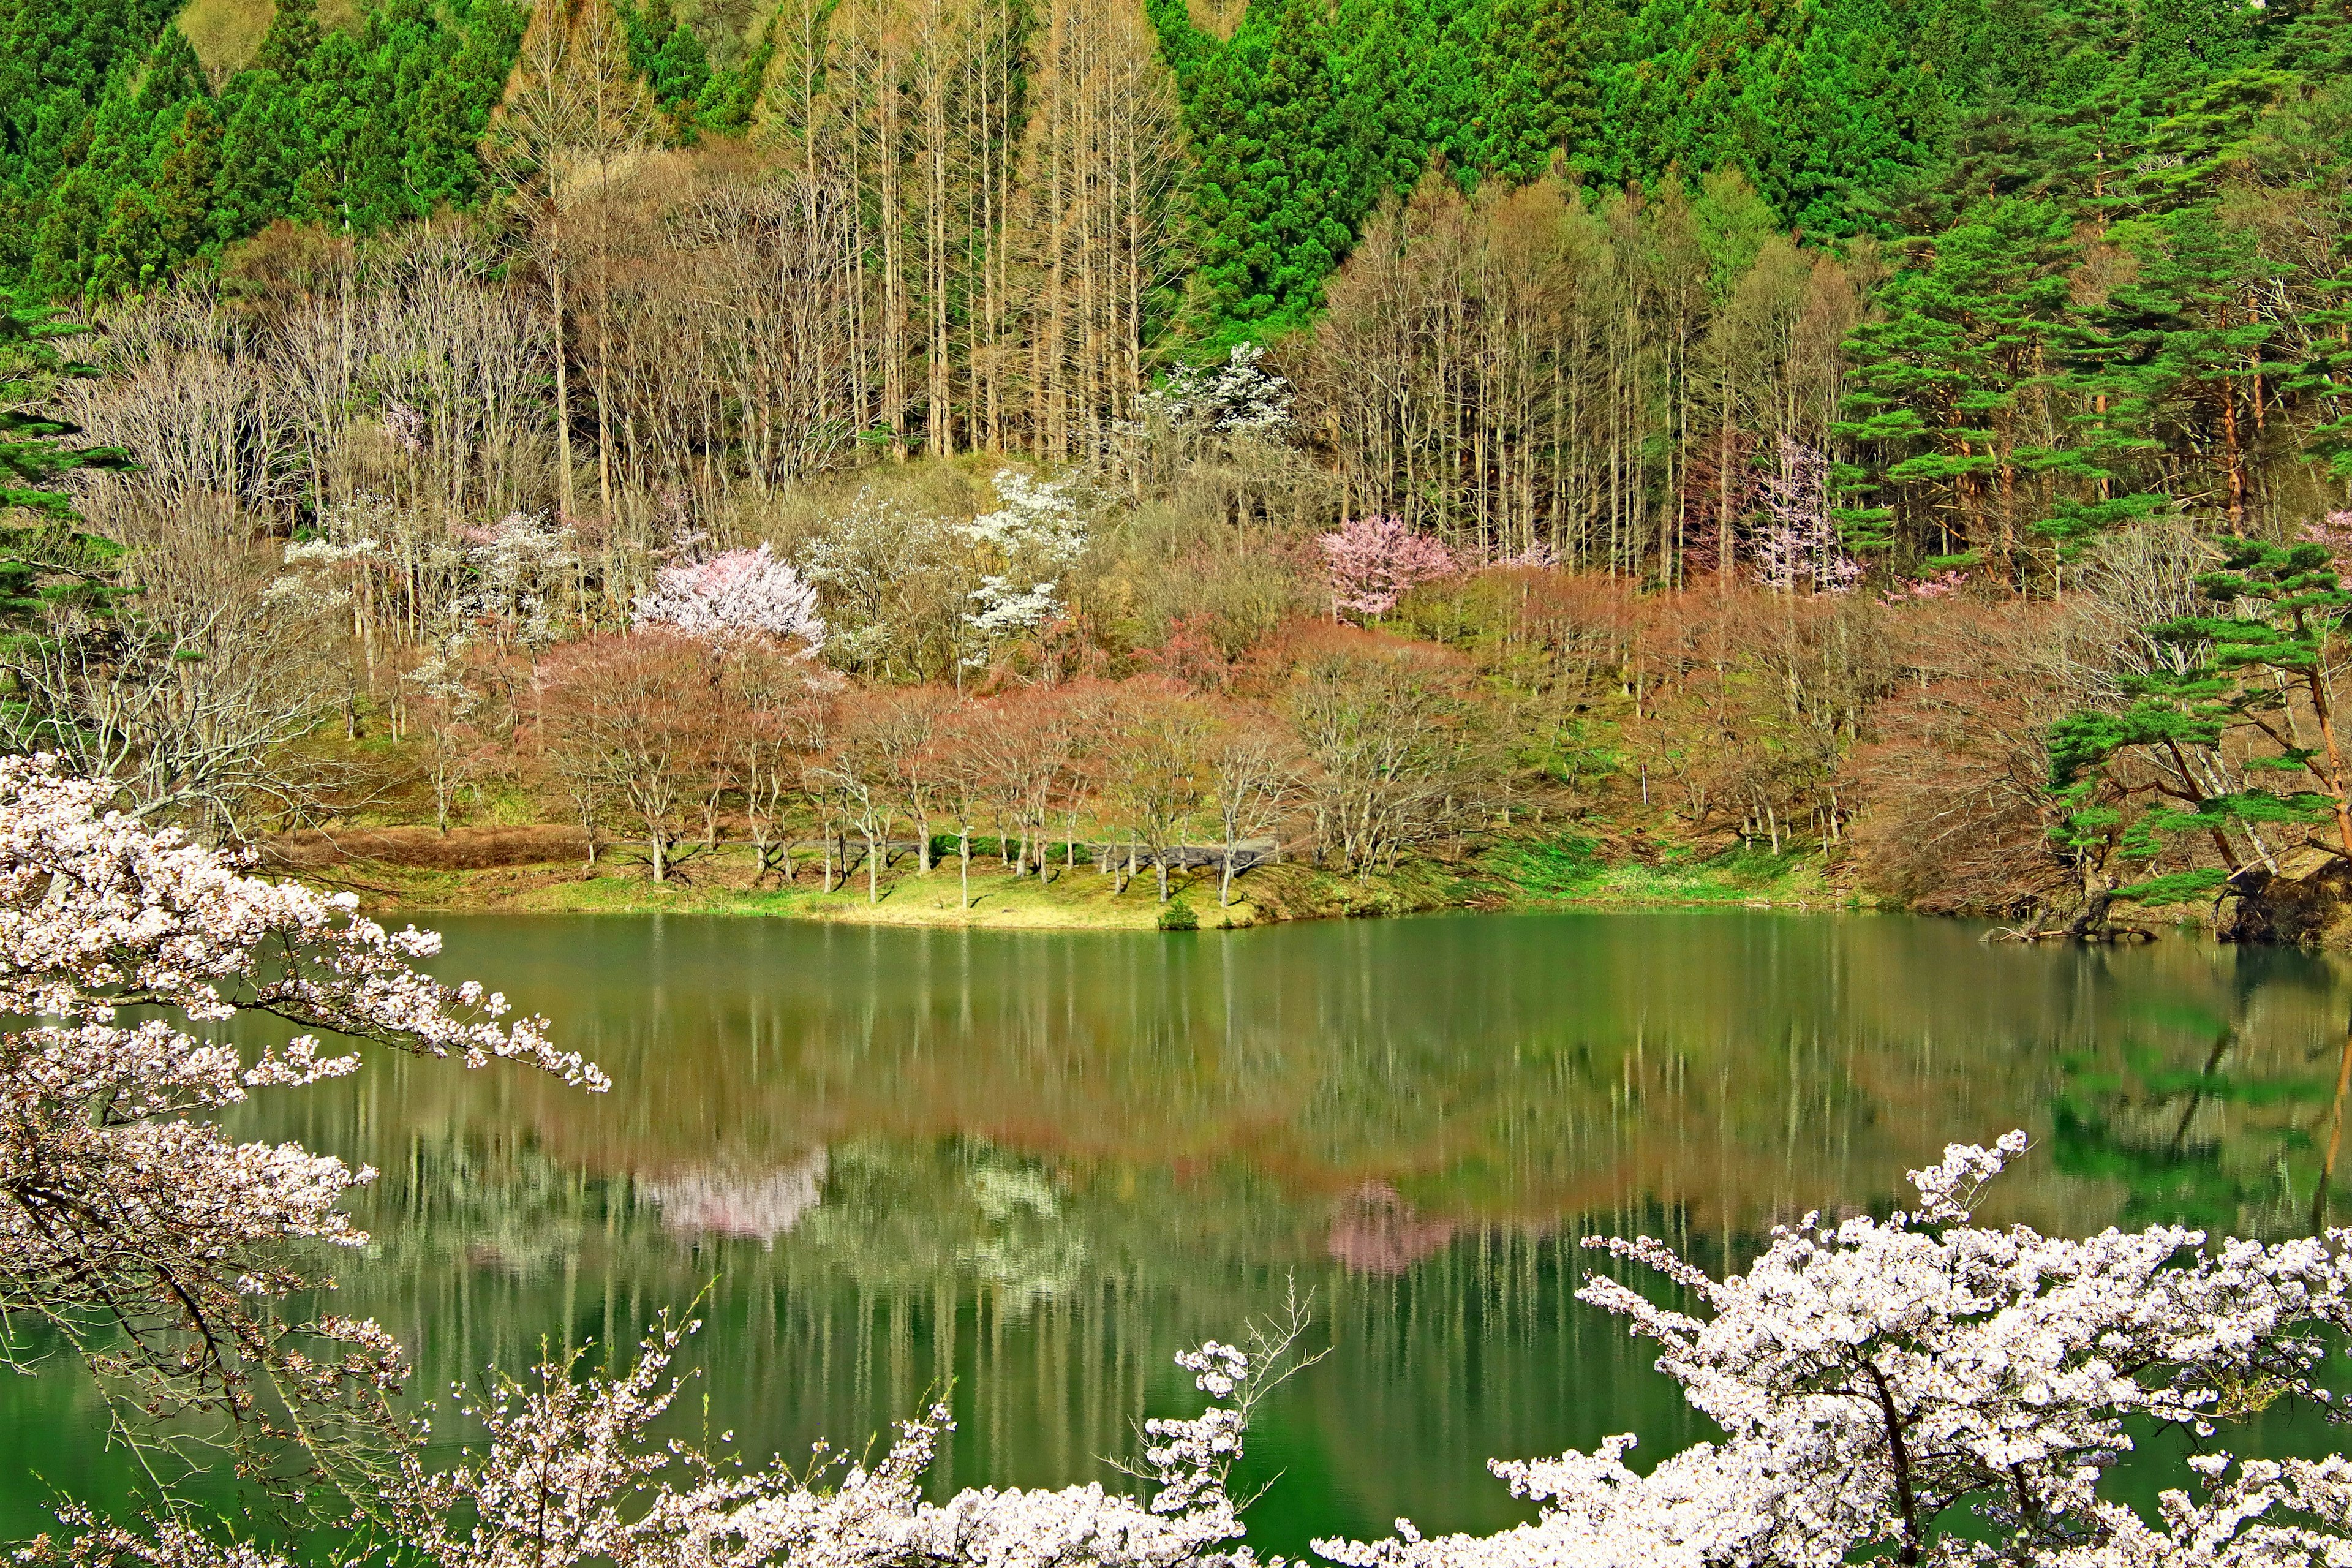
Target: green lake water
x=1031, y=1167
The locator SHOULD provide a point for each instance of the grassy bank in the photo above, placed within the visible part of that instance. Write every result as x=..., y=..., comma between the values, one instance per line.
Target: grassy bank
x=1564, y=871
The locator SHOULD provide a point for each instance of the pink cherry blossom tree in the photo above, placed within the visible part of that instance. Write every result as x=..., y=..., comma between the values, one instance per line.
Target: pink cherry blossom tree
x=1798, y=545
x=734, y=593
x=1371, y=562
x=2334, y=531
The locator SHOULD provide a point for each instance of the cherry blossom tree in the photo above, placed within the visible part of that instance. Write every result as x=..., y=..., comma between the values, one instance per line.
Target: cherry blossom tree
x=522, y=565
x=1239, y=397
x=734, y=593
x=1031, y=540
x=2334, y=531
x=1799, y=542
x=1371, y=561
x=571, y=1473
x=1880, y=1380
x=128, y=1220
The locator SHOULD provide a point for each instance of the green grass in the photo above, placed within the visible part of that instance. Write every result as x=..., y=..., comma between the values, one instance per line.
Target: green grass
x=1555, y=871
x=1569, y=869
x=720, y=884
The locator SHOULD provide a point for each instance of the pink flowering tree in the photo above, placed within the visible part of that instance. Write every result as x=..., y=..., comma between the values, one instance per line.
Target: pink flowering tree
x=1878, y=1382
x=1373, y=560
x=734, y=593
x=1798, y=544
x=2334, y=531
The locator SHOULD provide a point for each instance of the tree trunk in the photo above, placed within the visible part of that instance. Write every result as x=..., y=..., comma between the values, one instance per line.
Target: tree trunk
x=562, y=388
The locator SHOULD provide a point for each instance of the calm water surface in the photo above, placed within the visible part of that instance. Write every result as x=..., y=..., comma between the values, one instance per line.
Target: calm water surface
x=1030, y=1167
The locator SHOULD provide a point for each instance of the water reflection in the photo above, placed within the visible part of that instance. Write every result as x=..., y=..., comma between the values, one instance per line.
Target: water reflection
x=1033, y=1166
x=707, y=1200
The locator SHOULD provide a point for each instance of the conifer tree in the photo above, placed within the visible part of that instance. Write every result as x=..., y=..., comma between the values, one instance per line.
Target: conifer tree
x=44, y=555
x=1943, y=381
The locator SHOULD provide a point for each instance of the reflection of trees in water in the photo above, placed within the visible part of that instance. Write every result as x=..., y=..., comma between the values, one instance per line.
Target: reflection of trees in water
x=1375, y=1231
x=743, y=1205
x=1490, y=1072
x=2207, y=1112
x=1047, y=1163
x=1049, y=1297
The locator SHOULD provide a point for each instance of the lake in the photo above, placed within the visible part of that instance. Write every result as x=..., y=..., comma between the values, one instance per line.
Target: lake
x=1031, y=1167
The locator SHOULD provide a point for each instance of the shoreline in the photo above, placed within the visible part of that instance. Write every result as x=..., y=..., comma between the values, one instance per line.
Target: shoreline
x=1559, y=874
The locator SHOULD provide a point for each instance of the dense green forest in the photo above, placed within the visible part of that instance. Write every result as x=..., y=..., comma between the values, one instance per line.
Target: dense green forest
x=1912, y=436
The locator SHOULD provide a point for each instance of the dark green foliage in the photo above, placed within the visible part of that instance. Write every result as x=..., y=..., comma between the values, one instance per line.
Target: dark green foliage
x=1848, y=116
x=670, y=57
x=1279, y=171
x=1946, y=377
x=44, y=555
x=2132, y=784
x=143, y=169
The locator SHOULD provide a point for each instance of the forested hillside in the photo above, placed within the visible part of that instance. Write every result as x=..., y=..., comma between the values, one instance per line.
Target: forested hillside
x=1911, y=433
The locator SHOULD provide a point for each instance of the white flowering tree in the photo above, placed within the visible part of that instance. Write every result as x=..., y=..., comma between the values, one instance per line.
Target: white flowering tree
x=521, y=566
x=1880, y=1381
x=1797, y=544
x=1036, y=532
x=573, y=1472
x=128, y=1220
x=1240, y=396
x=734, y=593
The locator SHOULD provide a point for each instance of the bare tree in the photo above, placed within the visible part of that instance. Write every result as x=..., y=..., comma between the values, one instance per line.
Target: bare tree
x=776, y=713
x=1157, y=770
x=191, y=699
x=573, y=114
x=634, y=717
x=1253, y=772
x=1396, y=745
x=1098, y=169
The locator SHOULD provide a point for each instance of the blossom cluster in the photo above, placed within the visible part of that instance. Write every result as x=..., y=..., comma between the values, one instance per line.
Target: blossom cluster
x=1036, y=532
x=127, y=1218
x=569, y=1473
x=1798, y=542
x=1877, y=1381
x=1371, y=560
x=734, y=593
x=1241, y=397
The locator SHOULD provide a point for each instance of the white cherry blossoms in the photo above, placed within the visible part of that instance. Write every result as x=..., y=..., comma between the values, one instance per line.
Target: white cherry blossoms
x=1880, y=1381
x=129, y=1221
